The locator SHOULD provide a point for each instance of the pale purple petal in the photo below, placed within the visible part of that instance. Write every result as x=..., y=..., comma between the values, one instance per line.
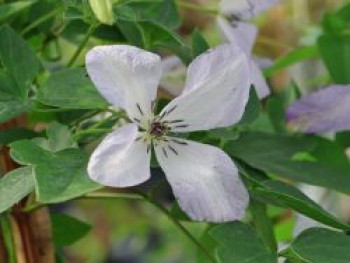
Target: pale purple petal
x=174, y=74
x=259, y=81
x=126, y=76
x=216, y=91
x=120, y=160
x=238, y=33
x=326, y=110
x=204, y=180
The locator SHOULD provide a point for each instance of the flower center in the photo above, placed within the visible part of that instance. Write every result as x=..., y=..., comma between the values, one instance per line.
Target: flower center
x=158, y=129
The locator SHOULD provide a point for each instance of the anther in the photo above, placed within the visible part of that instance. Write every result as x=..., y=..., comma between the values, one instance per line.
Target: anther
x=179, y=142
x=137, y=120
x=148, y=148
x=164, y=152
x=172, y=149
x=181, y=126
x=139, y=108
x=174, y=121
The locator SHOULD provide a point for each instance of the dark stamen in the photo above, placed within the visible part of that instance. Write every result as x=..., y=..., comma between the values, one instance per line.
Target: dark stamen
x=164, y=152
x=139, y=108
x=174, y=121
x=137, y=120
x=138, y=138
x=171, y=110
x=172, y=149
x=179, y=142
x=148, y=148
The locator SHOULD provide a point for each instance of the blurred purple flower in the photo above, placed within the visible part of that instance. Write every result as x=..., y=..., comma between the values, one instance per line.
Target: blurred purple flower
x=326, y=110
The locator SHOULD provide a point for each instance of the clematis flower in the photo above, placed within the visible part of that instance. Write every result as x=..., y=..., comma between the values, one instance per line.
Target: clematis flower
x=242, y=33
x=326, y=110
x=203, y=178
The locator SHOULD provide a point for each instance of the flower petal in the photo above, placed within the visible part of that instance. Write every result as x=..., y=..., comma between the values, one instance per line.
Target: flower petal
x=216, y=91
x=204, y=180
x=326, y=110
x=244, y=35
x=126, y=76
x=239, y=33
x=259, y=81
x=174, y=72
x=120, y=160
x=245, y=9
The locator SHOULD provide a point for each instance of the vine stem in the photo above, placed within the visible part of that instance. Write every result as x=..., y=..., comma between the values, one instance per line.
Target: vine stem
x=89, y=32
x=179, y=225
x=40, y=20
x=196, y=7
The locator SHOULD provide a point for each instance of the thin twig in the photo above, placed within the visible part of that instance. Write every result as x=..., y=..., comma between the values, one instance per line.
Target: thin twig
x=40, y=21
x=90, y=31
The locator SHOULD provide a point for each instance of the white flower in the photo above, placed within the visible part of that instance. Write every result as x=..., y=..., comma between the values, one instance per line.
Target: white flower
x=203, y=178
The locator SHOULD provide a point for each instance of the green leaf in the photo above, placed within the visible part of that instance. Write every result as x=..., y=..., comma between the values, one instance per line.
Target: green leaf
x=59, y=176
x=19, y=133
x=335, y=51
x=152, y=36
x=319, y=245
x=17, y=57
x=13, y=100
x=292, y=58
x=177, y=213
x=67, y=230
x=289, y=196
x=10, y=9
x=277, y=105
x=71, y=89
x=14, y=186
x=252, y=109
x=163, y=12
x=263, y=223
x=274, y=154
x=59, y=138
x=239, y=243
x=199, y=43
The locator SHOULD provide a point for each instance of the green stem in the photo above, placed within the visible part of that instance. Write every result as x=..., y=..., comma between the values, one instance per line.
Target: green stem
x=91, y=131
x=263, y=224
x=274, y=43
x=40, y=20
x=6, y=230
x=104, y=195
x=196, y=7
x=95, y=195
x=179, y=225
x=82, y=44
